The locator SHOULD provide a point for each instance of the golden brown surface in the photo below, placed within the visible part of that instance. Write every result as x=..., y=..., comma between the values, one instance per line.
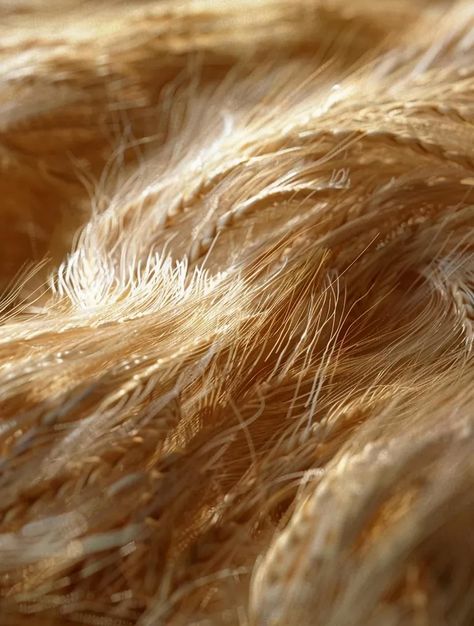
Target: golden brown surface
x=236, y=375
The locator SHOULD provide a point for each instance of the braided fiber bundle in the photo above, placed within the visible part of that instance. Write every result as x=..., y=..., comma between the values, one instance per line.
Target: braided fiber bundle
x=237, y=322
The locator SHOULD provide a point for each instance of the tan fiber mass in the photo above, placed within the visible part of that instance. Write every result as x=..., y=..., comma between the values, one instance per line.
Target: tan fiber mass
x=237, y=321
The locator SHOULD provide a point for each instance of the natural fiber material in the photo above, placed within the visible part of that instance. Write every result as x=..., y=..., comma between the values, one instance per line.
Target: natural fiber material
x=236, y=373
